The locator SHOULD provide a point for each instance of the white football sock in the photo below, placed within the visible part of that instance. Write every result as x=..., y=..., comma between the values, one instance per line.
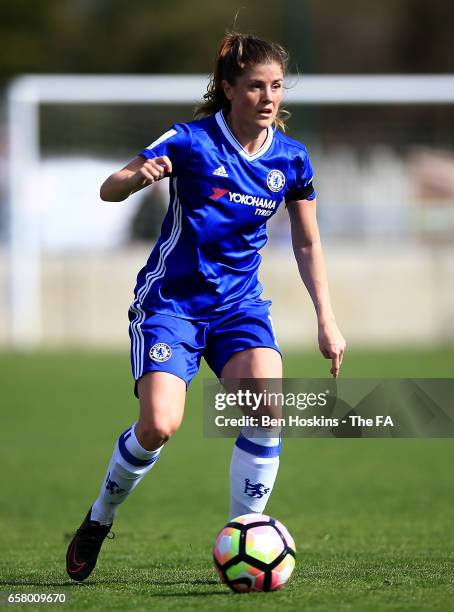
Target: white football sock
x=253, y=470
x=128, y=465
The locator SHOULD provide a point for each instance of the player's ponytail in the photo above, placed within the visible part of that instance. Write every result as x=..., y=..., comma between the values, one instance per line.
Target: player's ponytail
x=236, y=52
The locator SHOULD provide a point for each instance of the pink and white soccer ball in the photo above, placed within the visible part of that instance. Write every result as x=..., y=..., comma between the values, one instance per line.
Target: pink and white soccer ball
x=254, y=552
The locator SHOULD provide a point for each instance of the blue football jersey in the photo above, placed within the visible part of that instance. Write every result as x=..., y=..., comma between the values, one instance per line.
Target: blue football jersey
x=207, y=257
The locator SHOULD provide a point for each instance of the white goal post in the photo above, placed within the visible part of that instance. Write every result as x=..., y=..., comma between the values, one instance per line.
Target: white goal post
x=27, y=93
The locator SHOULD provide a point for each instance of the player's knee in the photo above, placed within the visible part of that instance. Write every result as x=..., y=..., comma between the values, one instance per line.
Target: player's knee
x=153, y=433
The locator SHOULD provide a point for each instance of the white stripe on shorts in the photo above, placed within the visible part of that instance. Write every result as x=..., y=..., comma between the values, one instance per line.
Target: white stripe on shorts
x=273, y=330
x=137, y=340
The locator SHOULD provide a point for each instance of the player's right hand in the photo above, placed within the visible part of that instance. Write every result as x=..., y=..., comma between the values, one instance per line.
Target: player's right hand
x=152, y=170
x=332, y=345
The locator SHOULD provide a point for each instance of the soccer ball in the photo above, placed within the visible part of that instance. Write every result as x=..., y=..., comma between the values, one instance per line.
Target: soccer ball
x=254, y=552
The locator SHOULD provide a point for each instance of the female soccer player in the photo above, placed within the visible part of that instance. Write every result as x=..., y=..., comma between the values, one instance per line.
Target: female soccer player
x=199, y=294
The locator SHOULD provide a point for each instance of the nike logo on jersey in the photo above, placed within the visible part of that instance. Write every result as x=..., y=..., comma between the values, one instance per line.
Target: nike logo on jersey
x=221, y=171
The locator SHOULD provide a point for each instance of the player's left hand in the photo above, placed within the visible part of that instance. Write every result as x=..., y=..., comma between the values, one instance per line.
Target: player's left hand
x=332, y=345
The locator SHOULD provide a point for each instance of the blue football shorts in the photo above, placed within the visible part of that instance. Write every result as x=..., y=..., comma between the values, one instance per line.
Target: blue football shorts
x=165, y=343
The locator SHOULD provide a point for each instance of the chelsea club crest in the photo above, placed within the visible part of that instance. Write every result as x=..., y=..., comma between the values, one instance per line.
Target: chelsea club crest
x=160, y=352
x=275, y=180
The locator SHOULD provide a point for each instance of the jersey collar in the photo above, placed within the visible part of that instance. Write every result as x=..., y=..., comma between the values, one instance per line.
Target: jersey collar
x=222, y=123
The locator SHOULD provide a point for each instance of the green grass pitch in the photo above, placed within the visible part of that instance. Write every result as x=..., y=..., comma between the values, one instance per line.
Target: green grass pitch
x=373, y=519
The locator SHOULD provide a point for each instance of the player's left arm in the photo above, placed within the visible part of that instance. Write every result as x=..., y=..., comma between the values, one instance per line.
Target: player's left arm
x=308, y=252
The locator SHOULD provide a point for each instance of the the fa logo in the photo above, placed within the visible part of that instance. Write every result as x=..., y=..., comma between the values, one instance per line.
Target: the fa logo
x=255, y=490
x=275, y=180
x=160, y=352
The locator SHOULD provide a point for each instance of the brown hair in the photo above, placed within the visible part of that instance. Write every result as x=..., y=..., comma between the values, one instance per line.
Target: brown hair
x=236, y=52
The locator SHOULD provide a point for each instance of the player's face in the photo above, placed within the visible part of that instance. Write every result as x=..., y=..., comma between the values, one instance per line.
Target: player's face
x=256, y=95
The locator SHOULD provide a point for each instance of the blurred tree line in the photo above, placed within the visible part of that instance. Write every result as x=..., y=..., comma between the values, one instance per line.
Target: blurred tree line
x=146, y=36
x=181, y=36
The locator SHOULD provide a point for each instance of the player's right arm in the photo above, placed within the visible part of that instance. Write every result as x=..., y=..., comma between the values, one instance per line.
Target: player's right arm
x=139, y=173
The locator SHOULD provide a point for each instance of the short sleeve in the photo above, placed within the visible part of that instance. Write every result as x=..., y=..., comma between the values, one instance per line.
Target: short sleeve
x=175, y=144
x=302, y=188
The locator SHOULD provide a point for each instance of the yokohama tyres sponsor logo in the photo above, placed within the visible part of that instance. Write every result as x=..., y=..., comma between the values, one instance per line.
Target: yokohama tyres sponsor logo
x=218, y=193
x=243, y=198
